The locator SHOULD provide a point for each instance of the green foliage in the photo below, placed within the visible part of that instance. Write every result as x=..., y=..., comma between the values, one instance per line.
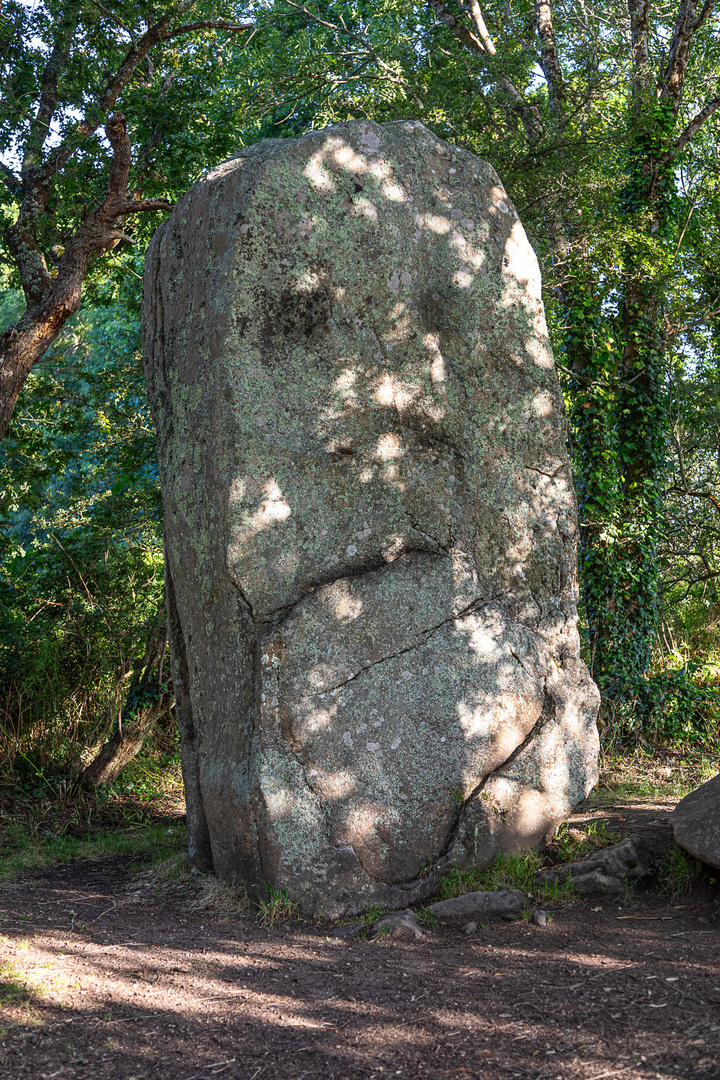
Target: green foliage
x=26, y=849
x=572, y=844
x=81, y=578
x=630, y=285
x=509, y=871
x=669, y=707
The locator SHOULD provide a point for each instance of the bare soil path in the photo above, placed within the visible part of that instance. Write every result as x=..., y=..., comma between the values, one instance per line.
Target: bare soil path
x=109, y=976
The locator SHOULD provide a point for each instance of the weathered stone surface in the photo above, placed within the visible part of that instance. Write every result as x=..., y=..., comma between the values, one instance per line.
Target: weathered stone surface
x=696, y=822
x=370, y=523
x=401, y=924
x=598, y=883
x=469, y=905
x=606, y=870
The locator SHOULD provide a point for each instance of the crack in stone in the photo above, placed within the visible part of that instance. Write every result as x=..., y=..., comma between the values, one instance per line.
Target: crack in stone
x=547, y=714
x=277, y=616
x=474, y=604
x=551, y=476
x=426, y=882
x=520, y=662
x=427, y=535
x=427, y=440
x=245, y=601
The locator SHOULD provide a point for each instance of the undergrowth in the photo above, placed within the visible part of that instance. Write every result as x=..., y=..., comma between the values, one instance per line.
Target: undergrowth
x=48, y=819
x=517, y=871
x=14, y=989
x=25, y=849
x=681, y=873
x=652, y=773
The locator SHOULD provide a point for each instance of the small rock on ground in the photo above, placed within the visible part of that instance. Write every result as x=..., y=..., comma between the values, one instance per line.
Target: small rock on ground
x=400, y=924
x=605, y=871
x=354, y=929
x=506, y=902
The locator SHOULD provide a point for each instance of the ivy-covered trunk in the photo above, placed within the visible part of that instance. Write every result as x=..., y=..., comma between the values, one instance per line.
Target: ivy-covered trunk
x=619, y=394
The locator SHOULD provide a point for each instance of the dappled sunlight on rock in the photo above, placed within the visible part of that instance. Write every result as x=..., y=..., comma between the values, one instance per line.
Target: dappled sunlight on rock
x=371, y=527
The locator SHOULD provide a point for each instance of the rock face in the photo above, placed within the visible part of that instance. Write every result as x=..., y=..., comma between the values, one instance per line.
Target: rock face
x=696, y=822
x=607, y=870
x=370, y=523
x=402, y=924
x=503, y=902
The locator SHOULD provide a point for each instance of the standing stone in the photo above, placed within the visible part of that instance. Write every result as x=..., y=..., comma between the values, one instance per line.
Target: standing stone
x=370, y=522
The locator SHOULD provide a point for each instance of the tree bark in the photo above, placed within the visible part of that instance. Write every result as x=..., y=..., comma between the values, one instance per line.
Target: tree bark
x=125, y=744
x=22, y=345
x=51, y=301
x=528, y=115
x=148, y=699
x=549, y=55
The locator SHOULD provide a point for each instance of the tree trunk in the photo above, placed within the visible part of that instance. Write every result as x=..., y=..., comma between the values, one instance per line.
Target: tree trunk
x=148, y=699
x=125, y=744
x=51, y=301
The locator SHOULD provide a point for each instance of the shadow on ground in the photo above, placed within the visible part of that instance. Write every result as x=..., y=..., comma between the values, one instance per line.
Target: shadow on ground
x=105, y=975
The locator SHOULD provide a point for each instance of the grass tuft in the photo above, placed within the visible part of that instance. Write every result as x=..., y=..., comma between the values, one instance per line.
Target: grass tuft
x=14, y=990
x=681, y=873
x=519, y=870
x=277, y=908
x=571, y=844
x=652, y=774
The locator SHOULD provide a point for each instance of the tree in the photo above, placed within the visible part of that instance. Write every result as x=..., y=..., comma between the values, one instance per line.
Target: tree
x=602, y=122
x=81, y=567
x=65, y=70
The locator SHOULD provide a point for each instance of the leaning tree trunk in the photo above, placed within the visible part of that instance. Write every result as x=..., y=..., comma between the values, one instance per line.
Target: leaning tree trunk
x=51, y=301
x=148, y=699
x=125, y=743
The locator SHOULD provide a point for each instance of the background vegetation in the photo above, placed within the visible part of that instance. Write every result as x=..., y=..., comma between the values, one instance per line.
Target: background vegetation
x=590, y=134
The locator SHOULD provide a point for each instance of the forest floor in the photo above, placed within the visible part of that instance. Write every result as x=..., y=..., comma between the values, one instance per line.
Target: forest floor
x=111, y=969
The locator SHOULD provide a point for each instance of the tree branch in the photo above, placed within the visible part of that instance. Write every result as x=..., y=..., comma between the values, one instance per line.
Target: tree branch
x=461, y=32
x=549, y=56
x=313, y=16
x=639, y=33
x=56, y=299
x=529, y=117
x=209, y=25
x=704, y=14
x=40, y=126
x=115, y=19
x=481, y=28
x=686, y=24
x=691, y=130
x=10, y=179
x=155, y=34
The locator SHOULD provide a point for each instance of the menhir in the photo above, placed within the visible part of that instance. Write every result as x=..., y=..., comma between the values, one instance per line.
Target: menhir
x=370, y=522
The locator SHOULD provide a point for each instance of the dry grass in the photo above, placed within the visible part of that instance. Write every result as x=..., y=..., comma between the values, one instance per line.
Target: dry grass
x=221, y=899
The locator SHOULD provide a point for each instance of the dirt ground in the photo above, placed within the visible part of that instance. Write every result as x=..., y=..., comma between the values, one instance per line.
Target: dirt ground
x=107, y=975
